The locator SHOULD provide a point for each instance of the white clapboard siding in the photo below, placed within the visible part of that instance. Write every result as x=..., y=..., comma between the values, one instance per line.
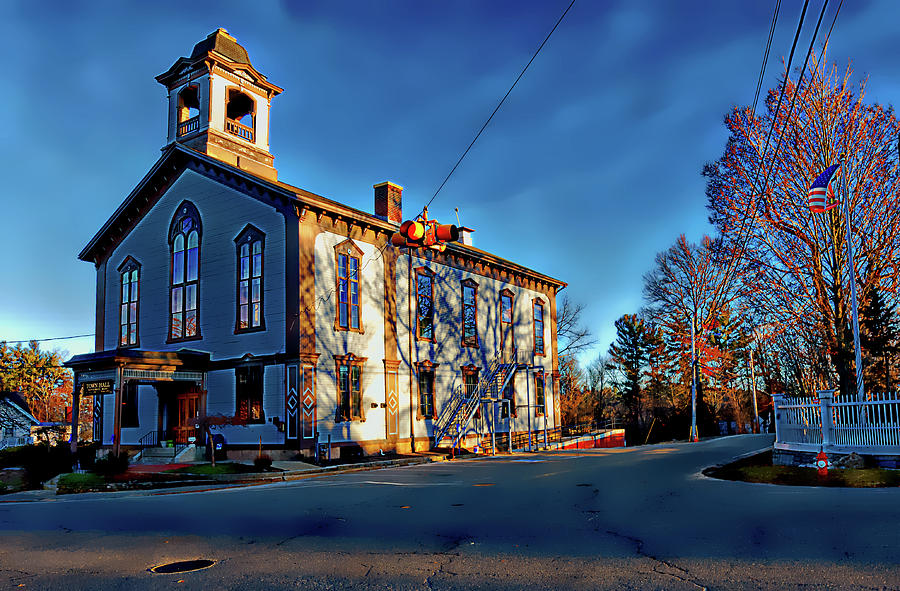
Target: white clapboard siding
x=224, y=213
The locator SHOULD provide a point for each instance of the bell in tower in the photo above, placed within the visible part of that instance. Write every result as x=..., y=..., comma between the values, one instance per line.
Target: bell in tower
x=219, y=104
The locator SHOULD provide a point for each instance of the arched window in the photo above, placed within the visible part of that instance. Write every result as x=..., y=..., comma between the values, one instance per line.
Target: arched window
x=249, y=244
x=184, y=242
x=348, y=314
x=240, y=115
x=130, y=275
x=188, y=110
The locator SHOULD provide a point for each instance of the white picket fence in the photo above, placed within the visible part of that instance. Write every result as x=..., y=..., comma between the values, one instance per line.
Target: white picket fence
x=871, y=426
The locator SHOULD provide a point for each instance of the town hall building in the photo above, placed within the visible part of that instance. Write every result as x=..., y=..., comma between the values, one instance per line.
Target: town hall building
x=229, y=301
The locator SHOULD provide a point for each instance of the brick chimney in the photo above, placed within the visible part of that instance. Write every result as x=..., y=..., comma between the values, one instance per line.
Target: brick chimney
x=388, y=204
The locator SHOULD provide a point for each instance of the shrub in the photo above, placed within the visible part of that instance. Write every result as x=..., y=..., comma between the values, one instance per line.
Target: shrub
x=112, y=464
x=262, y=462
x=74, y=483
x=42, y=462
x=87, y=454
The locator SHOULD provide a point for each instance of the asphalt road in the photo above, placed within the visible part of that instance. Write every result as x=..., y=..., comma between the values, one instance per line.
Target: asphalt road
x=636, y=518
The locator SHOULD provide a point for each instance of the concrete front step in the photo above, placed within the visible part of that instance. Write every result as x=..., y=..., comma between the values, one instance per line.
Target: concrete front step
x=157, y=455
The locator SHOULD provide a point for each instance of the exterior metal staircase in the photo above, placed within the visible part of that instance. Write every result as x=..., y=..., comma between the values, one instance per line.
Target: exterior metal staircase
x=461, y=408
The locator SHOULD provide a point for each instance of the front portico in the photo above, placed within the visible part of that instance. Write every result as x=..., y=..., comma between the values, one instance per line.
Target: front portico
x=179, y=378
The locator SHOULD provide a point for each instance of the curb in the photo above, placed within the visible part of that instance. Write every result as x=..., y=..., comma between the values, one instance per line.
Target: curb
x=700, y=473
x=262, y=477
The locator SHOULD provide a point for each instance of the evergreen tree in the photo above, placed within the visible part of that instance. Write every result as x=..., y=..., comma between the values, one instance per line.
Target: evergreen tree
x=878, y=339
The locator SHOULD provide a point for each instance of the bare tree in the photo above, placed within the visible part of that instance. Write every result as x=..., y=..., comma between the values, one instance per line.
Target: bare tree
x=571, y=333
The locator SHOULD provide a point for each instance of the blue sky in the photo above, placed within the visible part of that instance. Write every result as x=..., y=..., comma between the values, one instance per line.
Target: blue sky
x=590, y=168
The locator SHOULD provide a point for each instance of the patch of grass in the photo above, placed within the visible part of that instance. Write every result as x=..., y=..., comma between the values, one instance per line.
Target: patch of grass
x=74, y=483
x=759, y=468
x=220, y=468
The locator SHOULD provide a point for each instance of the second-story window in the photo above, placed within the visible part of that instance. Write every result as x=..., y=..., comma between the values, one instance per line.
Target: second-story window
x=250, y=244
x=184, y=239
x=128, y=310
x=347, y=261
x=538, y=326
x=469, y=313
x=425, y=304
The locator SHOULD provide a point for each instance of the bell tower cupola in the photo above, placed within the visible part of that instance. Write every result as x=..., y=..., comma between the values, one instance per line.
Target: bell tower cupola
x=219, y=104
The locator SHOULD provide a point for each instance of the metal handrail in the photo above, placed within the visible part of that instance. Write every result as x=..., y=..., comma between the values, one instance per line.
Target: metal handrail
x=492, y=383
x=150, y=439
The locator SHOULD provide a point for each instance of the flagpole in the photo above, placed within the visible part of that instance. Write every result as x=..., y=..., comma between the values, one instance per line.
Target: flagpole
x=694, y=435
x=860, y=393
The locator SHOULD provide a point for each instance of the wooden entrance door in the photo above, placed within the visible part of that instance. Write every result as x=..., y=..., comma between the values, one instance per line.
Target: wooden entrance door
x=391, y=404
x=187, y=410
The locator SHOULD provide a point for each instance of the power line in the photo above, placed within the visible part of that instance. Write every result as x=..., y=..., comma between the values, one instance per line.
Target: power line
x=762, y=69
x=497, y=108
x=74, y=336
x=741, y=241
x=793, y=97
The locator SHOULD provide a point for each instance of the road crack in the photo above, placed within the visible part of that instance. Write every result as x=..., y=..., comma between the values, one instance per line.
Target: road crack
x=679, y=573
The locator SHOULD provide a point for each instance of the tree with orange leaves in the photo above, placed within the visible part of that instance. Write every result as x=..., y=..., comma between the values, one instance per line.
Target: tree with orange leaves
x=791, y=261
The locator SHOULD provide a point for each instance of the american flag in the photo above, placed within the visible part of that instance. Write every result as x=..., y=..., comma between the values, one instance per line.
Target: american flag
x=819, y=191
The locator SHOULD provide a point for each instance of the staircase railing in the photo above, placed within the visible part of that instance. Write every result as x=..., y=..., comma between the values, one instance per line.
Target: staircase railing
x=461, y=408
x=151, y=439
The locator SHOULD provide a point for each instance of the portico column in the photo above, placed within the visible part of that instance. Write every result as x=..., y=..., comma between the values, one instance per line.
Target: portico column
x=117, y=412
x=76, y=399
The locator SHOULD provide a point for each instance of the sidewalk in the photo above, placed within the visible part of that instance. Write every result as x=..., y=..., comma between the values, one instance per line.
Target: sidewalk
x=153, y=477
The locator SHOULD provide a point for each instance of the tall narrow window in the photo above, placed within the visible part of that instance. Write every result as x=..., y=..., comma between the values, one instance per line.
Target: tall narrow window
x=506, y=308
x=426, y=391
x=469, y=313
x=425, y=304
x=348, y=313
x=507, y=334
x=184, y=238
x=250, y=249
x=539, y=400
x=349, y=383
x=538, y=326
x=248, y=393
x=128, y=310
x=509, y=393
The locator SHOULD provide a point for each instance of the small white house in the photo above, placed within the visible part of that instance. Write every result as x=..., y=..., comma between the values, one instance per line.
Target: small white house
x=223, y=291
x=16, y=420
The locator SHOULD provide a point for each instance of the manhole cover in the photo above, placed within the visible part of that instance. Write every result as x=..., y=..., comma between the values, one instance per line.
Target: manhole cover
x=184, y=566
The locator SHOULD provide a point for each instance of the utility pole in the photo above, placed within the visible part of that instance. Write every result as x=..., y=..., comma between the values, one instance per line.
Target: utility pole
x=693, y=436
x=860, y=392
x=753, y=386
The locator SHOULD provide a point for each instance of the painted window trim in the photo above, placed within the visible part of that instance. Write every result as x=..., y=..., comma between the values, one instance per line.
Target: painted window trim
x=534, y=305
x=425, y=271
x=468, y=341
x=262, y=393
x=348, y=247
x=185, y=210
x=350, y=360
x=426, y=366
x=540, y=411
x=249, y=235
x=127, y=266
